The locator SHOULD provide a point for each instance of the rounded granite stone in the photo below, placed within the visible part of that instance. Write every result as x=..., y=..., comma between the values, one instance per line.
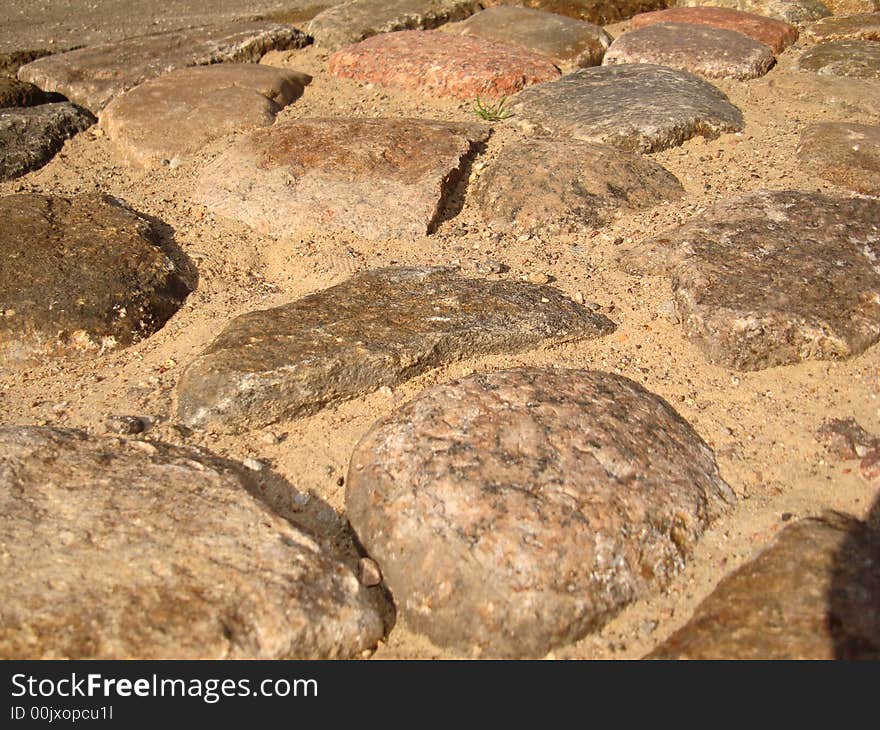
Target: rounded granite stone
x=516, y=511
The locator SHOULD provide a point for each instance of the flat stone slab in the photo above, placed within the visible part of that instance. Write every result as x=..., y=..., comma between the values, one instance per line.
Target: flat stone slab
x=356, y=20
x=560, y=184
x=30, y=137
x=378, y=178
x=774, y=33
x=568, y=42
x=79, y=276
x=164, y=119
x=601, y=12
x=861, y=27
x=846, y=154
x=18, y=93
x=116, y=549
x=773, y=278
x=814, y=594
x=92, y=76
x=795, y=12
x=859, y=59
x=852, y=7
x=443, y=64
x=713, y=52
x=378, y=328
x=636, y=107
x=517, y=511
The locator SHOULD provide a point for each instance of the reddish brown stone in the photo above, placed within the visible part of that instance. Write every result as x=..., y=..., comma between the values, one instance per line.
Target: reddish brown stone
x=442, y=64
x=378, y=178
x=774, y=33
x=846, y=439
x=713, y=52
x=814, y=594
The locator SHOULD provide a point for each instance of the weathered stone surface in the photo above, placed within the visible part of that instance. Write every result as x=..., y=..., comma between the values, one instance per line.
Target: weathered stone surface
x=772, y=278
x=814, y=594
x=378, y=328
x=566, y=184
x=443, y=64
x=519, y=510
x=713, y=52
x=79, y=275
x=115, y=549
x=92, y=76
x=846, y=154
x=837, y=96
x=852, y=7
x=796, y=12
x=859, y=59
x=774, y=33
x=379, y=178
x=18, y=93
x=30, y=137
x=178, y=113
x=568, y=42
x=636, y=107
x=863, y=27
x=357, y=20
x=601, y=12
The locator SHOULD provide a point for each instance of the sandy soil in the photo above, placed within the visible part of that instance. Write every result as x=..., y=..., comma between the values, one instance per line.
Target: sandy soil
x=761, y=425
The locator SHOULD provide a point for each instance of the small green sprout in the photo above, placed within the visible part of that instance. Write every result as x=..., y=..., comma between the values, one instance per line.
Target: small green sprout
x=491, y=112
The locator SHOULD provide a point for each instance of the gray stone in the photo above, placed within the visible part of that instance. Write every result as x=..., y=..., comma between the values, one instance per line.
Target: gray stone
x=377, y=329
x=553, y=184
x=353, y=21
x=80, y=276
x=814, y=594
x=92, y=76
x=717, y=53
x=30, y=137
x=568, y=42
x=115, y=549
x=378, y=178
x=166, y=118
x=636, y=107
x=863, y=27
x=517, y=511
x=772, y=278
x=846, y=154
x=601, y=12
x=796, y=12
x=859, y=59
